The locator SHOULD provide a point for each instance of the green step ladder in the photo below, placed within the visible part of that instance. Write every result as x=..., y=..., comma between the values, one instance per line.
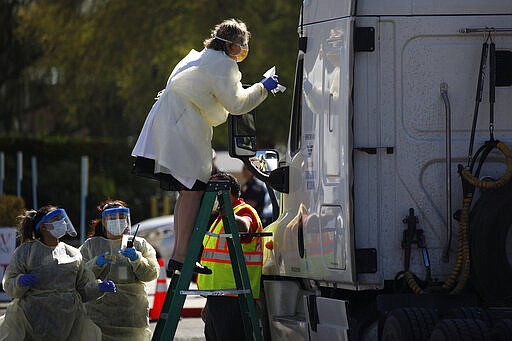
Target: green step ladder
x=178, y=289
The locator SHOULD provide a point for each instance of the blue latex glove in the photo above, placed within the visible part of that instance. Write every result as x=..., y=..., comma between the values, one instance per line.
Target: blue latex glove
x=101, y=260
x=131, y=253
x=107, y=286
x=270, y=83
x=27, y=280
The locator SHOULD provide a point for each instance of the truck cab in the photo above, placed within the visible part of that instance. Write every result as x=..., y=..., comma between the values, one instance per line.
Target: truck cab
x=395, y=192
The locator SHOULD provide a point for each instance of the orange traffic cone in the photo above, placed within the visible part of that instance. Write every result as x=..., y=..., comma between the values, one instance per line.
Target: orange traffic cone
x=160, y=292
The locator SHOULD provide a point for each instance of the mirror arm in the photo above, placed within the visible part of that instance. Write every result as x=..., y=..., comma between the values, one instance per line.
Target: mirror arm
x=278, y=179
x=273, y=199
x=257, y=173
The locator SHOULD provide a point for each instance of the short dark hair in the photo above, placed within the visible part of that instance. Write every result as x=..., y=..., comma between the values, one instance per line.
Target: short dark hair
x=234, y=186
x=230, y=29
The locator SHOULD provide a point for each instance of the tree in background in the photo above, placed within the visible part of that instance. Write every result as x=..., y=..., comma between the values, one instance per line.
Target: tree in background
x=102, y=62
x=91, y=69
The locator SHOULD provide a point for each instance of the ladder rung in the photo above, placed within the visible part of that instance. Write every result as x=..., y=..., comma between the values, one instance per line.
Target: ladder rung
x=219, y=235
x=256, y=234
x=216, y=292
x=241, y=234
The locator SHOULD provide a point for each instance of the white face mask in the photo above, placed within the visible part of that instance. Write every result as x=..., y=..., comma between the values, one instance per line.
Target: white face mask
x=59, y=228
x=116, y=227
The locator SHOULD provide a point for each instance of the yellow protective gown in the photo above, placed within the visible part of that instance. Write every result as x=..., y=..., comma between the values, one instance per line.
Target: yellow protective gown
x=52, y=308
x=122, y=315
x=200, y=92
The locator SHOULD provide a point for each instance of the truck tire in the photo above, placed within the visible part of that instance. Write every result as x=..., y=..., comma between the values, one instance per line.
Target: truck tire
x=474, y=313
x=502, y=331
x=404, y=324
x=491, y=245
x=461, y=330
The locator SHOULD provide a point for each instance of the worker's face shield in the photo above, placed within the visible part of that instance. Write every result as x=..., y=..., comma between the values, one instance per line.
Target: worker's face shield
x=116, y=220
x=57, y=222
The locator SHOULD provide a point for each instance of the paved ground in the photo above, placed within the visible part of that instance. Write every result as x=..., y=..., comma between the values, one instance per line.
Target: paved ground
x=189, y=329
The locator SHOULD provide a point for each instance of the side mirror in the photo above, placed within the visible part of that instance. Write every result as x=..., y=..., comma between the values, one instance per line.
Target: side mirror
x=242, y=135
x=265, y=160
x=264, y=164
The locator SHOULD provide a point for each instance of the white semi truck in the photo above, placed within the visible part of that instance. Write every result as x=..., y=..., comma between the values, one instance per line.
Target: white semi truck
x=395, y=217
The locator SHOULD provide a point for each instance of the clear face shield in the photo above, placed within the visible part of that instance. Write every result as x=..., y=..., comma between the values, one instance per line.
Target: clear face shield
x=57, y=223
x=116, y=220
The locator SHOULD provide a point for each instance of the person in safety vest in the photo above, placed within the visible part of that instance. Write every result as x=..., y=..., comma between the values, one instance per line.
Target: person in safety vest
x=112, y=253
x=49, y=281
x=222, y=316
x=174, y=146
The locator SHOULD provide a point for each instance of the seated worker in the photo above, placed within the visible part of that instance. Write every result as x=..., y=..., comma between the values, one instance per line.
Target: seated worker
x=222, y=316
x=48, y=281
x=125, y=314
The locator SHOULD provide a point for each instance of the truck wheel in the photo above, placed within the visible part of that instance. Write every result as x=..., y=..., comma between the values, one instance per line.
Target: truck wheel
x=461, y=330
x=474, y=313
x=491, y=245
x=406, y=324
x=502, y=331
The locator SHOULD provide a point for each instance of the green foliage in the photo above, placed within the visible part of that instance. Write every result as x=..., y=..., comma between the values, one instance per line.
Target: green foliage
x=102, y=62
x=10, y=208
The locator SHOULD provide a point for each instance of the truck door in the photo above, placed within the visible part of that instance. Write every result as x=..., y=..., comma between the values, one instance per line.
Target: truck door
x=324, y=161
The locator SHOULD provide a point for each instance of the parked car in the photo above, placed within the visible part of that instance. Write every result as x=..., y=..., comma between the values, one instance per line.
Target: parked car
x=159, y=232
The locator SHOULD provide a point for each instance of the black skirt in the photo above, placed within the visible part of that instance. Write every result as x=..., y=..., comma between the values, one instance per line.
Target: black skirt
x=145, y=167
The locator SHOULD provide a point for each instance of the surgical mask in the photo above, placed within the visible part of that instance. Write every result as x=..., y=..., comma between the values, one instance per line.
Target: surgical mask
x=116, y=227
x=58, y=228
x=244, y=50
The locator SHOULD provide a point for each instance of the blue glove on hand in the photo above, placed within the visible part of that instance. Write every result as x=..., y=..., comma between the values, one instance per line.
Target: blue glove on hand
x=27, y=280
x=131, y=253
x=107, y=286
x=270, y=83
x=101, y=260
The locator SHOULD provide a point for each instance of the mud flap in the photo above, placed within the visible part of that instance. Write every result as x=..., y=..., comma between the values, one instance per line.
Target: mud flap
x=327, y=318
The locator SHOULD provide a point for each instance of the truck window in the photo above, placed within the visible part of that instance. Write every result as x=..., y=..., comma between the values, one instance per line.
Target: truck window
x=296, y=119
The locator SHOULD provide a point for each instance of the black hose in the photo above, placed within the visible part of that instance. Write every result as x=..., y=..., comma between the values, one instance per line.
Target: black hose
x=492, y=87
x=478, y=99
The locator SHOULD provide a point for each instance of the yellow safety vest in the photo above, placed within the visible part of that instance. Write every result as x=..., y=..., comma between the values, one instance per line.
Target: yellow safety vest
x=216, y=257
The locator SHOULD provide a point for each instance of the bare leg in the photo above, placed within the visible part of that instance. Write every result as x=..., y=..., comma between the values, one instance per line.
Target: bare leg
x=185, y=214
x=176, y=223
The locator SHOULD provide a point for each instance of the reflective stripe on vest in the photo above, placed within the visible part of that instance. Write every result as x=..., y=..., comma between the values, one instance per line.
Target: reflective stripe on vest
x=216, y=257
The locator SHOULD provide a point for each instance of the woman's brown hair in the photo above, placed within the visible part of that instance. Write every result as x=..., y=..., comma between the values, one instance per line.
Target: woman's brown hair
x=27, y=223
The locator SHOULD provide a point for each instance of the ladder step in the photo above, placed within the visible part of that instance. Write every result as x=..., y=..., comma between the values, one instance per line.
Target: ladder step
x=241, y=234
x=215, y=292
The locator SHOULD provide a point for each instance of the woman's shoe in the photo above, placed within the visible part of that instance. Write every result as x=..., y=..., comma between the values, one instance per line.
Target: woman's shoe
x=174, y=265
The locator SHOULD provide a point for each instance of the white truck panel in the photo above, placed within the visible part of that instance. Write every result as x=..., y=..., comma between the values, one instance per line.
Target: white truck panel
x=413, y=57
x=432, y=7
x=321, y=180
x=322, y=10
x=397, y=104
